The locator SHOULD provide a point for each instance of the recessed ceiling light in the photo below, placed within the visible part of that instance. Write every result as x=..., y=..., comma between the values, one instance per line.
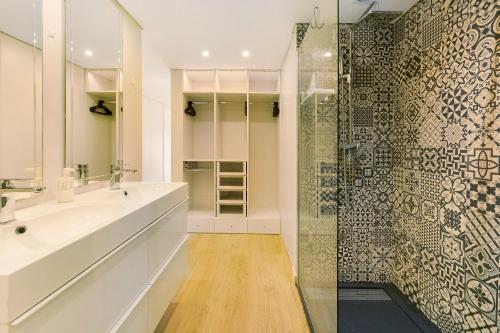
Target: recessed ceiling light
x=245, y=54
x=89, y=53
x=327, y=54
x=205, y=53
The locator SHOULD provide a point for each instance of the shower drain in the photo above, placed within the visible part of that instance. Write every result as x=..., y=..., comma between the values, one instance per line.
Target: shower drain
x=363, y=294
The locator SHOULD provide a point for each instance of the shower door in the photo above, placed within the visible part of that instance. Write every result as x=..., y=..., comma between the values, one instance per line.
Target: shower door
x=317, y=175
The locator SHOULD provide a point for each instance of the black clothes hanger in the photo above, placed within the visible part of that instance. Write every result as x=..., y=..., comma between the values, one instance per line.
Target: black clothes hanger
x=100, y=108
x=276, y=109
x=190, y=111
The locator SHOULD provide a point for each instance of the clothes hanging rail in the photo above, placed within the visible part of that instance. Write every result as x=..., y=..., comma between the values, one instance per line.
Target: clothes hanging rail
x=231, y=102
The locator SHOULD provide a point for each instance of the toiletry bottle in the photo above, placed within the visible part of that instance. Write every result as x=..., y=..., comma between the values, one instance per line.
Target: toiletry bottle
x=65, y=186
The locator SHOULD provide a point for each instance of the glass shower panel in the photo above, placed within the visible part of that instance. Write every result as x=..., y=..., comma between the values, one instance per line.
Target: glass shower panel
x=318, y=179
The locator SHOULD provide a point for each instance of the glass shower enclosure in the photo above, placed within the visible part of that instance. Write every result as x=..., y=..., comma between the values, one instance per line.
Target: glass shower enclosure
x=318, y=174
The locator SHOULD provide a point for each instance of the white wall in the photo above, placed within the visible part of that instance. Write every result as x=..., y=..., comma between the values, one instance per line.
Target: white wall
x=156, y=116
x=288, y=152
x=53, y=93
x=153, y=126
x=132, y=98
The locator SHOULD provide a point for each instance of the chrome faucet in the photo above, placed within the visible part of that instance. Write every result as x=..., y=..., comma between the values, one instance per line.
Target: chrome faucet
x=7, y=203
x=117, y=174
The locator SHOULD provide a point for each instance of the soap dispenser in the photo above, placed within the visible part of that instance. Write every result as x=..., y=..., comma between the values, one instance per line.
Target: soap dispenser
x=65, y=186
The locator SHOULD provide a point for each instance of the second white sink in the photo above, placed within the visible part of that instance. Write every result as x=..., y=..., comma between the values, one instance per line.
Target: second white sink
x=51, y=229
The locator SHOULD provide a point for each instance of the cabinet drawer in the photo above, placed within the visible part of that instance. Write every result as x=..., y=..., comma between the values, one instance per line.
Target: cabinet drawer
x=165, y=236
x=264, y=226
x=137, y=319
x=104, y=295
x=230, y=225
x=199, y=224
x=165, y=286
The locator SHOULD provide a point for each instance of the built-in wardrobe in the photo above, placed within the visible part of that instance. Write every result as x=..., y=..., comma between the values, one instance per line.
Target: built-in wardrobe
x=225, y=146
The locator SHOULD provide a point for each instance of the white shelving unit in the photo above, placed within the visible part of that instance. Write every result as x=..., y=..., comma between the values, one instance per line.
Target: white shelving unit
x=229, y=150
x=231, y=189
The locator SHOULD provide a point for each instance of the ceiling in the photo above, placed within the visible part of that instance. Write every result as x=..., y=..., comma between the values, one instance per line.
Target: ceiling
x=179, y=30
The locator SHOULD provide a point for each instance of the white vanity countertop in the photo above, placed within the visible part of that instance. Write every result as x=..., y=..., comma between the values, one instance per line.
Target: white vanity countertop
x=63, y=239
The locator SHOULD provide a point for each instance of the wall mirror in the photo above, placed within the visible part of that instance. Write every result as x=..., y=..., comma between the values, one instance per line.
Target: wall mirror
x=21, y=93
x=93, y=88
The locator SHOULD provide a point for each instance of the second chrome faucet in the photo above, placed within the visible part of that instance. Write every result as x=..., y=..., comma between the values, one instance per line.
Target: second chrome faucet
x=117, y=174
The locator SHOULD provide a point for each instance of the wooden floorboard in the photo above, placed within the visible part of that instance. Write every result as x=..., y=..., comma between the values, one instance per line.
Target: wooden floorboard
x=236, y=283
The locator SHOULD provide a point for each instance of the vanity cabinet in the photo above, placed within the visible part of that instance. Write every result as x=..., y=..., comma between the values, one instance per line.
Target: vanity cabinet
x=128, y=290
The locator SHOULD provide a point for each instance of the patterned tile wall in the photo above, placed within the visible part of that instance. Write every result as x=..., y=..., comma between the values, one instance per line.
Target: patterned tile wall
x=426, y=194
x=447, y=188
x=366, y=238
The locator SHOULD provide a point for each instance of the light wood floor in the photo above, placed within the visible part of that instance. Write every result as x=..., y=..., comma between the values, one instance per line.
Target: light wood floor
x=236, y=283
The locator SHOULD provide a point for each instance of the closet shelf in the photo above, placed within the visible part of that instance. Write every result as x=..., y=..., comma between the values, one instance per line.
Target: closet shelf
x=260, y=97
x=197, y=96
x=231, y=97
x=105, y=95
x=232, y=202
x=243, y=173
x=198, y=160
x=231, y=187
x=224, y=159
x=199, y=169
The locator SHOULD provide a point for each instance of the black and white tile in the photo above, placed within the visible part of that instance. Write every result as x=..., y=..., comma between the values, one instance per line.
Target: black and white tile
x=425, y=111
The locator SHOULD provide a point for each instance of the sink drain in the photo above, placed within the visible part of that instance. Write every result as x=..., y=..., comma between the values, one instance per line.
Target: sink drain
x=21, y=229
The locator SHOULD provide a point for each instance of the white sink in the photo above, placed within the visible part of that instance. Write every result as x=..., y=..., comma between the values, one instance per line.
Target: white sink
x=50, y=229
x=62, y=240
